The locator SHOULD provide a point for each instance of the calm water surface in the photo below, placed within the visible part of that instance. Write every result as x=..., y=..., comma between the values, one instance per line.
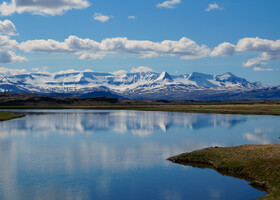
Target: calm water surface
x=82, y=154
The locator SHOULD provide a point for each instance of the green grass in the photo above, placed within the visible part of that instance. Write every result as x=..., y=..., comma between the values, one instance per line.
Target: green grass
x=7, y=116
x=259, y=164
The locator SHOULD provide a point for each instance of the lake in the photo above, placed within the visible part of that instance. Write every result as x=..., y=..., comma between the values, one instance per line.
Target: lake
x=96, y=154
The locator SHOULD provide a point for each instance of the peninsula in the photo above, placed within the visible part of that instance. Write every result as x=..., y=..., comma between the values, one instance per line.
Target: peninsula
x=258, y=164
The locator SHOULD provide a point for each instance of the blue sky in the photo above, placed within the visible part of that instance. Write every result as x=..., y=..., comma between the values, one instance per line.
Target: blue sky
x=177, y=36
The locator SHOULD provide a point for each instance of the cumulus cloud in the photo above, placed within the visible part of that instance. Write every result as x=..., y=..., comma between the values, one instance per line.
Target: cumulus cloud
x=169, y=4
x=45, y=46
x=224, y=49
x=7, y=28
x=101, y=18
x=260, y=69
x=41, y=7
x=258, y=45
x=213, y=6
x=184, y=48
x=7, y=43
x=6, y=53
x=87, y=48
x=141, y=69
x=269, y=49
x=10, y=57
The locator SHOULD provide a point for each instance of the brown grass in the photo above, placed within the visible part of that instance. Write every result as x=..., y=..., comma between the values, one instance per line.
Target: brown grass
x=256, y=109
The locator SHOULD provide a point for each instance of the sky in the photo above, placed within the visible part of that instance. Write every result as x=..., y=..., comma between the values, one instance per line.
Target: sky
x=177, y=36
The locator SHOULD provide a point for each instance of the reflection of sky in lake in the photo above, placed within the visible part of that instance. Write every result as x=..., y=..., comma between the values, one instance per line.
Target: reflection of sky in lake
x=121, y=154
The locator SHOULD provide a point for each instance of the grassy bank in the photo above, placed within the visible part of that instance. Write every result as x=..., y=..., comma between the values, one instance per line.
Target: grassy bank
x=7, y=116
x=256, y=109
x=33, y=101
x=259, y=164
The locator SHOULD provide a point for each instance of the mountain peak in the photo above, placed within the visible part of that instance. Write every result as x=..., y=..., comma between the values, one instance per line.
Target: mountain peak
x=164, y=76
x=226, y=76
x=197, y=75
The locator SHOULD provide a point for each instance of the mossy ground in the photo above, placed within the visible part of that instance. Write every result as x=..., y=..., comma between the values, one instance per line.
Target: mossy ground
x=259, y=164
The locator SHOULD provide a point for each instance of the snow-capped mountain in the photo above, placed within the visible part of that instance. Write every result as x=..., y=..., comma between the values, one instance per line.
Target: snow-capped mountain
x=131, y=85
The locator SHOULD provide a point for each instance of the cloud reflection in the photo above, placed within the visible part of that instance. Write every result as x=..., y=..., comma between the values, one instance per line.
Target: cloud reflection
x=259, y=136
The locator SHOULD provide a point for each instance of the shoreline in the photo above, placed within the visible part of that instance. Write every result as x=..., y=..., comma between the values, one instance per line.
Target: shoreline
x=245, y=109
x=34, y=101
x=258, y=164
x=4, y=116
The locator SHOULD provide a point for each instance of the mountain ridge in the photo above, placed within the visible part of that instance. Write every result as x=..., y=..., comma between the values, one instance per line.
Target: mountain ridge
x=133, y=85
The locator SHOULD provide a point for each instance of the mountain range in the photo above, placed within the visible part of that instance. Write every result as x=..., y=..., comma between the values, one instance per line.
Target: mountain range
x=138, y=85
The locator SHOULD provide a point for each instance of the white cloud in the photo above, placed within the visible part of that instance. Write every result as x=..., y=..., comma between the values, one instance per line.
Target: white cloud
x=258, y=45
x=269, y=49
x=7, y=71
x=224, y=49
x=87, y=48
x=169, y=4
x=92, y=56
x=119, y=73
x=41, y=7
x=271, y=55
x=37, y=69
x=47, y=46
x=141, y=69
x=184, y=48
x=10, y=57
x=213, y=6
x=6, y=43
x=259, y=69
x=254, y=62
x=7, y=28
x=72, y=44
x=73, y=71
x=131, y=17
x=101, y=18
x=6, y=53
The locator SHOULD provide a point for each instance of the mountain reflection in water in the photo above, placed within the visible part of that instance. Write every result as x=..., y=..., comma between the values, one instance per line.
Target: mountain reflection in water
x=138, y=123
